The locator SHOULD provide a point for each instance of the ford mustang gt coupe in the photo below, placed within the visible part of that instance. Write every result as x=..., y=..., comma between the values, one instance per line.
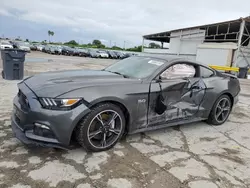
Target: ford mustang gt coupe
x=97, y=107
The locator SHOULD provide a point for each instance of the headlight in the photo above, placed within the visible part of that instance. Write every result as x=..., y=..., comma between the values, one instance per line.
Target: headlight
x=59, y=104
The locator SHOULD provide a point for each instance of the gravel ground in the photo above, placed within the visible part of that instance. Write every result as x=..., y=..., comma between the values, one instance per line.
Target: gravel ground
x=195, y=155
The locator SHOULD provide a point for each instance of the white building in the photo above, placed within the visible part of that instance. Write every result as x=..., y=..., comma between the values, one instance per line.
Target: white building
x=225, y=43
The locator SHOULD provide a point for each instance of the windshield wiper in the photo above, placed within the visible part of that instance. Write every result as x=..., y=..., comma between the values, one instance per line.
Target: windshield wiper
x=125, y=76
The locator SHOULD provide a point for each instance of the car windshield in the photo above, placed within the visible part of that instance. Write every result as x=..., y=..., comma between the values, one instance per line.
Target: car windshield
x=136, y=67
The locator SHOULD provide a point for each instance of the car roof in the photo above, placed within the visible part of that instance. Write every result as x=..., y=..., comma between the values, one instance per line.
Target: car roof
x=166, y=58
x=170, y=58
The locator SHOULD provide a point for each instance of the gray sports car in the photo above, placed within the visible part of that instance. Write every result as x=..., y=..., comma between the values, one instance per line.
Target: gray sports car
x=96, y=108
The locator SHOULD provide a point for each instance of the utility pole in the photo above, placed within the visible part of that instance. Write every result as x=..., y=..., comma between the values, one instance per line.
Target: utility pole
x=110, y=44
x=142, y=46
x=124, y=45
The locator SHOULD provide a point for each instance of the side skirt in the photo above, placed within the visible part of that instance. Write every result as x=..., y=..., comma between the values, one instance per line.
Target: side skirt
x=165, y=125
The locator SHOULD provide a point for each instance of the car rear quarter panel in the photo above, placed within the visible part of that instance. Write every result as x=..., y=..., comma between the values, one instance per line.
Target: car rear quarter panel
x=217, y=86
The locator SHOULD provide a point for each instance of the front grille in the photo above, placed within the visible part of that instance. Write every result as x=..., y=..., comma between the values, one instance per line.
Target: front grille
x=23, y=100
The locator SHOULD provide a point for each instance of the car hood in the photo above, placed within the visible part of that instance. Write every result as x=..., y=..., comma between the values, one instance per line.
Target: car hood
x=54, y=84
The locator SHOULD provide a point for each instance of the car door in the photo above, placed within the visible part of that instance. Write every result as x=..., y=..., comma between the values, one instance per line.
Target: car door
x=175, y=99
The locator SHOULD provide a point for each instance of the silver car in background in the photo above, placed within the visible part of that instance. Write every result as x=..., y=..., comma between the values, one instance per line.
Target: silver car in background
x=23, y=46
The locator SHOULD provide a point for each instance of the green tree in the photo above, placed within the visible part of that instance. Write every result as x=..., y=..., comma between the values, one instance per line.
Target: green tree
x=50, y=33
x=96, y=43
x=27, y=40
x=135, y=49
x=102, y=46
x=72, y=42
x=116, y=48
x=154, y=45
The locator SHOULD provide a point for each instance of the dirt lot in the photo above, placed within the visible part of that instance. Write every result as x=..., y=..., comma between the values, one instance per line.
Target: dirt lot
x=194, y=155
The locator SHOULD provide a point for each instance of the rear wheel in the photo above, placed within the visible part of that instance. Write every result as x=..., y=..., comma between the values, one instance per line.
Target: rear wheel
x=102, y=128
x=220, y=111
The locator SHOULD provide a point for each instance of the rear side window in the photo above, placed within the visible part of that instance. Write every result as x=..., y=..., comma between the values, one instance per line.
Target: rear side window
x=205, y=72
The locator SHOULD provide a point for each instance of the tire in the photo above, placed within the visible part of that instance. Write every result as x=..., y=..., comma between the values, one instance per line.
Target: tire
x=212, y=119
x=83, y=128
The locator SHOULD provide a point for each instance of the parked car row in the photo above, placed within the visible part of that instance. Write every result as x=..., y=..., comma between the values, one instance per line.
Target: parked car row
x=65, y=50
x=82, y=52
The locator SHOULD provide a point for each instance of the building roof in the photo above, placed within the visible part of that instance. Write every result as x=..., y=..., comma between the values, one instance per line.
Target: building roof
x=165, y=36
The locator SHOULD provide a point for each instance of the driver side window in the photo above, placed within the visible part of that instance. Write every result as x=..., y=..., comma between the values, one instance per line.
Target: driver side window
x=178, y=71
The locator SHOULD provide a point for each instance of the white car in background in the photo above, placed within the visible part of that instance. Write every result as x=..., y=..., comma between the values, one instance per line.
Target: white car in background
x=40, y=47
x=102, y=54
x=5, y=45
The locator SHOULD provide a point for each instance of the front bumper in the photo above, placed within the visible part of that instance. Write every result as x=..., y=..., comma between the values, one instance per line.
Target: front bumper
x=60, y=123
x=20, y=135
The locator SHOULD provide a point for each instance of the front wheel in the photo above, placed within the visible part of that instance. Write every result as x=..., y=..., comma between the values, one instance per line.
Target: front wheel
x=220, y=111
x=102, y=128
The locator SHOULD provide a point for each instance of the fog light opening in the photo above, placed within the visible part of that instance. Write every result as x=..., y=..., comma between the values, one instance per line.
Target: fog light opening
x=41, y=126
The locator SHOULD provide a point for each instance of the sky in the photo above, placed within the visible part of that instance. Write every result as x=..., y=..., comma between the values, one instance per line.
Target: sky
x=111, y=21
